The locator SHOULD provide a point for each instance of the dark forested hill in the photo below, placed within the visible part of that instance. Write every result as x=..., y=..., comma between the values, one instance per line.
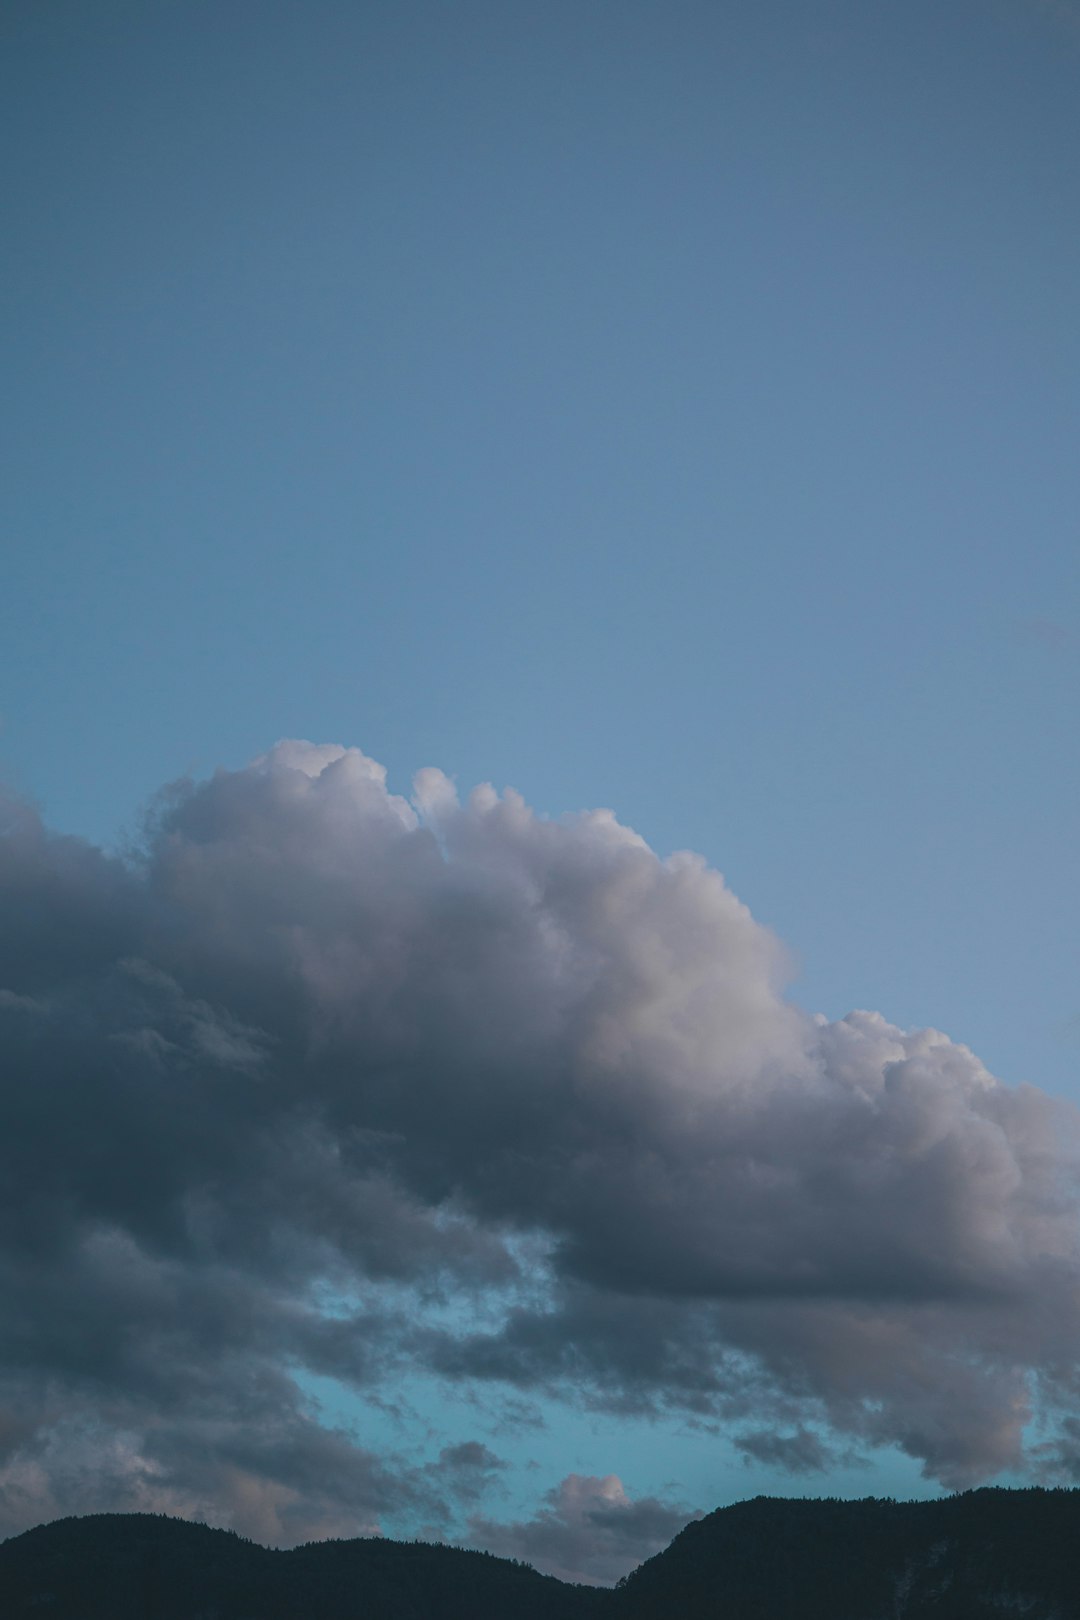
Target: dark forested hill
x=989, y=1553
x=986, y=1555
x=131, y=1566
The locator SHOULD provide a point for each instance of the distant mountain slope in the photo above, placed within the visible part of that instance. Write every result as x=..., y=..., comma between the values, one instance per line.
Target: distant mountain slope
x=133, y=1566
x=986, y=1555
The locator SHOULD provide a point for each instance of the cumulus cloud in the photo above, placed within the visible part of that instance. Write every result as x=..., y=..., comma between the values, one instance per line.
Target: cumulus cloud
x=325, y=1078
x=587, y=1530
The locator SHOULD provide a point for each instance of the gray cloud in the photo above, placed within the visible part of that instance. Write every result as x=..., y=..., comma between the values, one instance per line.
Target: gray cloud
x=470, y=1465
x=587, y=1530
x=802, y=1452
x=319, y=1078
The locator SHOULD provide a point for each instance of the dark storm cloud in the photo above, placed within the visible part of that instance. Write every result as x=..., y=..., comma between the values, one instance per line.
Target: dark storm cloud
x=323, y=1079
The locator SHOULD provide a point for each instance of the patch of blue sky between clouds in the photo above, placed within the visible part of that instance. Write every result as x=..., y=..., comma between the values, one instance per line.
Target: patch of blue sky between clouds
x=409, y=1415
x=542, y=1439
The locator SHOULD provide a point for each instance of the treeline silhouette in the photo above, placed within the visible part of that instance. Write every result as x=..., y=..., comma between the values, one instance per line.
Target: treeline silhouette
x=144, y=1566
x=983, y=1555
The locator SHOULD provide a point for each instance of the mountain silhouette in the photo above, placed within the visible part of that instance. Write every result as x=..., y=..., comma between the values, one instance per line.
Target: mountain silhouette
x=984, y=1555
x=141, y=1566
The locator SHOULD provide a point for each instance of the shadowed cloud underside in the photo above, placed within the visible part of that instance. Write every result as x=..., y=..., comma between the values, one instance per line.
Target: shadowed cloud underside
x=319, y=1078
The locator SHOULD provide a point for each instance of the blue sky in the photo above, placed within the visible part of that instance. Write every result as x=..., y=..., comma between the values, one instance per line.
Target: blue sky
x=671, y=408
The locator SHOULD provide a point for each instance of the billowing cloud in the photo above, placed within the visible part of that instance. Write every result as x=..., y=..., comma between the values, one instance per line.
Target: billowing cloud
x=326, y=1079
x=586, y=1530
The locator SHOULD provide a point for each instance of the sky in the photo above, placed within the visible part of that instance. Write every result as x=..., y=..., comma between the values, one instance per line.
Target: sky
x=667, y=416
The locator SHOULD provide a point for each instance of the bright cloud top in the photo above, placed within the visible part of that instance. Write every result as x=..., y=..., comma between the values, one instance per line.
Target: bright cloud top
x=316, y=1042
